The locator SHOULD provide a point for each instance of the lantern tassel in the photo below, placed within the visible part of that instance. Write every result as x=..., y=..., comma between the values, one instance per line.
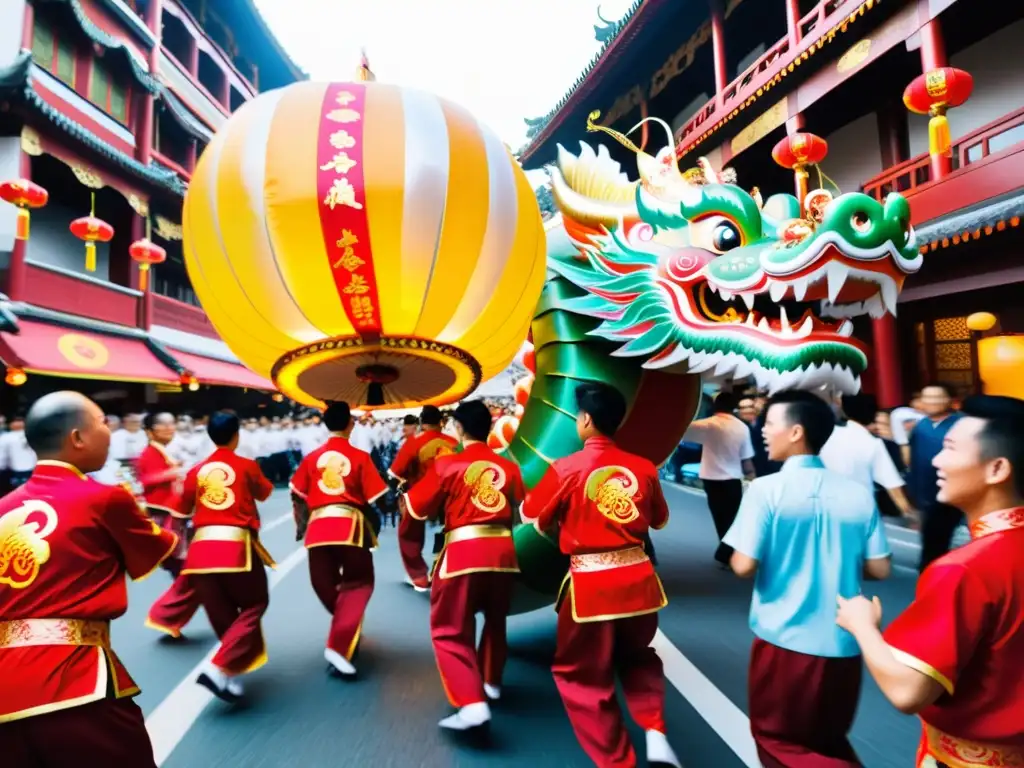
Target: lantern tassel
x=939, y=140
x=90, y=256
x=22, y=226
x=143, y=277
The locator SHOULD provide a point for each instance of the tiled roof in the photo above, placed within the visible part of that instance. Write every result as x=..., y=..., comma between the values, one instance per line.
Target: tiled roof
x=16, y=86
x=970, y=223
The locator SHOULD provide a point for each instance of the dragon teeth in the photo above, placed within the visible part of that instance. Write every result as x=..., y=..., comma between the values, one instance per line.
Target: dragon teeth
x=764, y=325
x=784, y=322
x=845, y=328
x=748, y=299
x=805, y=328
x=837, y=274
x=777, y=291
x=890, y=293
x=875, y=307
x=800, y=289
x=750, y=321
x=726, y=295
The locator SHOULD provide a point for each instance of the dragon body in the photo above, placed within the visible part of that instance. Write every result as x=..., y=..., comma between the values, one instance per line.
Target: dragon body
x=659, y=285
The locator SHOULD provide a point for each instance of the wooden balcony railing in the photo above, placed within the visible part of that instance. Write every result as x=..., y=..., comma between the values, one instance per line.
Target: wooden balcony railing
x=180, y=316
x=989, y=140
x=65, y=291
x=826, y=15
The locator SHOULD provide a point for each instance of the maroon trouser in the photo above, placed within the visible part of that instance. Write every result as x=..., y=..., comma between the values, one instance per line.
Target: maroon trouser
x=342, y=577
x=175, y=607
x=235, y=604
x=108, y=732
x=454, y=603
x=587, y=658
x=412, y=534
x=802, y=707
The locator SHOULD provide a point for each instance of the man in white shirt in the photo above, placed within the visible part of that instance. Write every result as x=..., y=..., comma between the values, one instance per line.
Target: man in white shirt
x=16, y=458
x=854, y=452
x=128, y=442
x=902, y=420
x=362, y=436
x=309, y=436
x=726, y=459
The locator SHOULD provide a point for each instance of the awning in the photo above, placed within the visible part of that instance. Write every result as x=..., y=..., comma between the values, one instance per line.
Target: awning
x=53, y=350
x=210, y=371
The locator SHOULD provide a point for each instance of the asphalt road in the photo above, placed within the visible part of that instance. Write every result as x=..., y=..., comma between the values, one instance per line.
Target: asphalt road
x=298, y=716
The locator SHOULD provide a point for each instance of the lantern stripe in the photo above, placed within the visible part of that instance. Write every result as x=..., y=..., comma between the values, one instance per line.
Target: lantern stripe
x=464, y=223
x=384, y=162
x=293, y=208
x=229, y=310
x=485, y=284
x=511, y=339
x=426, y=182
x=342, y=201
x=244, y=232
x=517, y=281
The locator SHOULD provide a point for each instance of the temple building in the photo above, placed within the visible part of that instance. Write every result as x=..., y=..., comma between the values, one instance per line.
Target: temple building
x=733, y=77
x=105, y=106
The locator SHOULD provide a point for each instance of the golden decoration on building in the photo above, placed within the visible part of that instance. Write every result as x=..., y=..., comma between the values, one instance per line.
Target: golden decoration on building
x=31, y=144
x=854, y=57
x=88, y=177
x=168, y=230
x=139, y=205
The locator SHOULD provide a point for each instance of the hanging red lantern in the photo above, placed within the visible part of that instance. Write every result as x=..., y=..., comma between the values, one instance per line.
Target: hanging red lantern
x=92, y=230
x=188, y=380
x=146, y=253
x=24, y=194
x=933, y=93
x=798, y=151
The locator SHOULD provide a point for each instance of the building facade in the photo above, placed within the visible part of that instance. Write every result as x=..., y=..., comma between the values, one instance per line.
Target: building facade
x=733, y=77
x=107, y=105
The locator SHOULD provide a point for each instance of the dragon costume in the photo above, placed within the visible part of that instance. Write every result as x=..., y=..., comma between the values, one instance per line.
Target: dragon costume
x=659, y=284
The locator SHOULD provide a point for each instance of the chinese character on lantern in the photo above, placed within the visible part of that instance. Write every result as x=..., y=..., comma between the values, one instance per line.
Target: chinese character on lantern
x=932, y=94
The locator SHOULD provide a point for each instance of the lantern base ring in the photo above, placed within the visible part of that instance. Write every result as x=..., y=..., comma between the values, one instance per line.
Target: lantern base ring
x=382, y=372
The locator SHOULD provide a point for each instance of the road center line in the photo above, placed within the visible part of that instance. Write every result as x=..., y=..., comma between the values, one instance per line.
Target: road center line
x=276, y=522
x=717, y=710
x=175, y=715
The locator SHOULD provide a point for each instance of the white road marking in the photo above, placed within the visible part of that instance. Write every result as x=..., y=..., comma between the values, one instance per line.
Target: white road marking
x=277, y=521
x=717, y=710
x=175, y=715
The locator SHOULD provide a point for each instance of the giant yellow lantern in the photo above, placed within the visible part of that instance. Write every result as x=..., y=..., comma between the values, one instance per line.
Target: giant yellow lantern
x=364, y=242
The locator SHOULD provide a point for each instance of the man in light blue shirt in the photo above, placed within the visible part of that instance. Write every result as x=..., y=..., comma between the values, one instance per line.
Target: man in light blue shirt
x=807, y=535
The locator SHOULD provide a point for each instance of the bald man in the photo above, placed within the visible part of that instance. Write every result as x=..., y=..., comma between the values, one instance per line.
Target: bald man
x=163, y=481
x=66, y=544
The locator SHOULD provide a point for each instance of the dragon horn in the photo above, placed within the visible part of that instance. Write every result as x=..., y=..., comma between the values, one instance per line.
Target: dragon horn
x=594, y=127
x=662, y=123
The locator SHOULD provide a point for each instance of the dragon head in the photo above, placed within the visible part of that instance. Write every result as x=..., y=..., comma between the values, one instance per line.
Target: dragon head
x=690, y=270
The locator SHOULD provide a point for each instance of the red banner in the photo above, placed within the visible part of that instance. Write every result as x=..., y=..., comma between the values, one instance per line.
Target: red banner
x=343, y=215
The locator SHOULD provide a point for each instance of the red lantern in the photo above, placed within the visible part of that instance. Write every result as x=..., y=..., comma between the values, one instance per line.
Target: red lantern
x=24, y=194
x=146, y=253
x=15, y=377
x=92, y=230
x=798, y=151
x=933, y=93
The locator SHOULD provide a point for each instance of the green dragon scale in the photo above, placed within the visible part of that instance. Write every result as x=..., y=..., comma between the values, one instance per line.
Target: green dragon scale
x=661, y=284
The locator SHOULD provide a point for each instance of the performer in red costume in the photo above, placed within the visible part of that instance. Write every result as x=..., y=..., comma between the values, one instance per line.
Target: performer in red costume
x=479, y=494
x=412, y=463
x=599, y=504
x=955, y=657
x=335, y=485
x=161, y=479
x=66, y=543
x=226, y=561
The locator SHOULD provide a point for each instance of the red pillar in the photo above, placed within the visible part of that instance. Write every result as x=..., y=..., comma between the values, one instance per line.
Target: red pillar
x=793, y=22
x=17, y=271
x=27, y=26
x=718, y=47
x=144, y=134
x=933, y=56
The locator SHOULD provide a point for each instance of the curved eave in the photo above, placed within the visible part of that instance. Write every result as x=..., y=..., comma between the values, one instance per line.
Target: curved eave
x=614, y=47
x=140, y=71
x=183, y=116
x=16, y=86
x=294, y=69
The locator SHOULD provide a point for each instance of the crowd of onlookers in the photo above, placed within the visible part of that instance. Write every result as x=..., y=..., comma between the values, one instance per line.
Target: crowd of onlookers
x=887, y=450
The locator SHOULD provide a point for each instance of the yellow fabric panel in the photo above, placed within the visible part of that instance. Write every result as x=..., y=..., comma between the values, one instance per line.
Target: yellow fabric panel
x=465, y=221
x=292, y=207
x=243, y=229
x=228, y=309
x=384, y=164
x=519, y=290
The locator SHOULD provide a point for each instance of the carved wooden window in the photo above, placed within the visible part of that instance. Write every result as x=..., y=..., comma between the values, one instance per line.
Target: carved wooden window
x=953, y=353
x=53, y=53
x=108, y=94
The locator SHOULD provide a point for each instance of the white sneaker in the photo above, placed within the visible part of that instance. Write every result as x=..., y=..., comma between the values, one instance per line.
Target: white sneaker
x=215, y=681
x=659, y=752
x=493, y=692
x=235, y=687
x=339, y=662
x=414, y=585
x=469, y=717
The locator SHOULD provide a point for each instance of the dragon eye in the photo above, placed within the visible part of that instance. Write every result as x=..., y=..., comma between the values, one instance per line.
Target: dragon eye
x=860, y=222
x=725, y=237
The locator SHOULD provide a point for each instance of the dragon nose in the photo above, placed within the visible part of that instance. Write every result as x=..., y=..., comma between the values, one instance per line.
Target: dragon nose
x=897, y=214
